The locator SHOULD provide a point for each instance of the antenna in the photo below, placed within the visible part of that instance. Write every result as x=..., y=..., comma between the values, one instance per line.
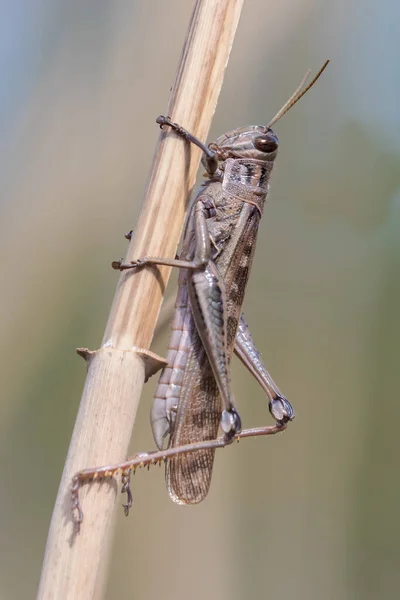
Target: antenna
x=299, y=93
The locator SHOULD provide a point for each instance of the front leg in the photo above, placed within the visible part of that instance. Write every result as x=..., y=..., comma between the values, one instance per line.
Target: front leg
x=210, y=157
x=279, y=406
x=202, y=247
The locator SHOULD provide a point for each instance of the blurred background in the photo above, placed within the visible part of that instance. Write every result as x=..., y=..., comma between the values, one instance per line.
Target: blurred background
x=310, y=514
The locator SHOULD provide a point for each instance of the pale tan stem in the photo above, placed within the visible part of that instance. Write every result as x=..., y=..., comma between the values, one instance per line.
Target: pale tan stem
x=116, y=372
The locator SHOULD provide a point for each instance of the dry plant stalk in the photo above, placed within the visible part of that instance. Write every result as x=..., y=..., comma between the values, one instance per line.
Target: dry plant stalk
x=116, y=372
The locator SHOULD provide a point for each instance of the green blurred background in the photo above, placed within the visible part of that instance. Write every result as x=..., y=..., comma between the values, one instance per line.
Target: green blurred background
x=310, y=514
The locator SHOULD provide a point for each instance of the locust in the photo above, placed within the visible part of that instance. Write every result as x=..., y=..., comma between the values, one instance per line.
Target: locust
x=194, y=397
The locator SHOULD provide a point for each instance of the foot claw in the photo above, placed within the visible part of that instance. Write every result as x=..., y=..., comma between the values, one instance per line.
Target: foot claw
x=119, y=265
x=116, y=264
x=161, y=120
x=126, y=489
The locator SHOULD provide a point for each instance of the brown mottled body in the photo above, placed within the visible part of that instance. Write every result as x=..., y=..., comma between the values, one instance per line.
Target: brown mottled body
x=233, y=205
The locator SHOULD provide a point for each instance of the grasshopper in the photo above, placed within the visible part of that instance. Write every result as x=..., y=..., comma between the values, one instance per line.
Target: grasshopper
x=194, y=396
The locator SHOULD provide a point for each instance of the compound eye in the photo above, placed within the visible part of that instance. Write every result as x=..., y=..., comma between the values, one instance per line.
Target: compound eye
x=266, y=143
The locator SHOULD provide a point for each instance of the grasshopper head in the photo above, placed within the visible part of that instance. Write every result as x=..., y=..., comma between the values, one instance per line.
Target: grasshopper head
x=254, y=141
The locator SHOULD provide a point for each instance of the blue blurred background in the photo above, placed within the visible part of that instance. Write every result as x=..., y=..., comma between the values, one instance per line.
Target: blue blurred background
x=310, y=514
